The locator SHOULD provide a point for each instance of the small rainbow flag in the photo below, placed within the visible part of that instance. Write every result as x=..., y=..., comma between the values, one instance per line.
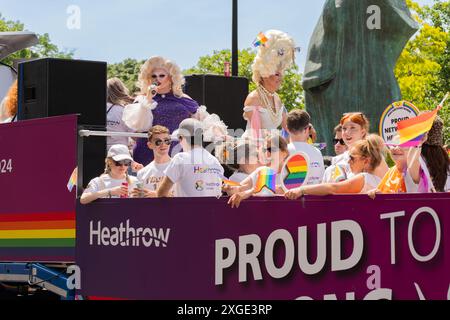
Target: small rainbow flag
x=412, y=130
x=266, y=179
x=229, y=182
x=73, y=179
x=297, y=167
x=260, y=40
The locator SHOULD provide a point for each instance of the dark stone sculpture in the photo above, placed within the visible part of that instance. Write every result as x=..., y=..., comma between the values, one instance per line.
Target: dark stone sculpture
x=351, y=61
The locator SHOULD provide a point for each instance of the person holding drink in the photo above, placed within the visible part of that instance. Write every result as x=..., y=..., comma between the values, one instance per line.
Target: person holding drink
x=115, y=181
x=151, y=176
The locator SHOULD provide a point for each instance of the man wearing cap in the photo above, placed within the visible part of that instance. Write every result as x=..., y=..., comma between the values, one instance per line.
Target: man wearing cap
x=114, y=182
x=193, y=172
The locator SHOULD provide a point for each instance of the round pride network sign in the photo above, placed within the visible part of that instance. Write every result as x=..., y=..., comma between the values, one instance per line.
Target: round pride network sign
x=394, y=113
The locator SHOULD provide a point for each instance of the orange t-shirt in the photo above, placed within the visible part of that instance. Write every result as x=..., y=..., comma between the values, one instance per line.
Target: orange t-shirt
x=392, y=182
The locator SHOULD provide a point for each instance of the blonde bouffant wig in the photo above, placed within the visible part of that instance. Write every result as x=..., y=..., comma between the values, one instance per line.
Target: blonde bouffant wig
x=145, y=76
x=276, y=55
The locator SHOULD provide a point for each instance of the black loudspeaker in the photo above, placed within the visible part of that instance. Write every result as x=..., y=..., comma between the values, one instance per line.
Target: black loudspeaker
x=91, y=156
x=224, y=96
x=53, y=87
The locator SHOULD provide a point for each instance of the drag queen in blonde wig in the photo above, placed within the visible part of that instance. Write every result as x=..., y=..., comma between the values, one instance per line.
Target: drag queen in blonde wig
x=264, y=110
x=161, y=102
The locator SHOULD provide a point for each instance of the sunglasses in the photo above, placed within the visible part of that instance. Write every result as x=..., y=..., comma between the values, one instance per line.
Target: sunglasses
x=160, y=76
x=126, y=163
x=341, y=141
x=159, y=142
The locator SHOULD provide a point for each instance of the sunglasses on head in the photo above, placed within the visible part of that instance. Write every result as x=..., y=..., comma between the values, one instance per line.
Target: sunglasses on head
x=341, y=141
x=159, y=142
x=126, y=163
x=160, y=76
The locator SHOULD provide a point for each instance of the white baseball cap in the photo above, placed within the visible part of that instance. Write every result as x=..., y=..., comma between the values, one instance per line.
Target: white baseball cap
x=119, y=152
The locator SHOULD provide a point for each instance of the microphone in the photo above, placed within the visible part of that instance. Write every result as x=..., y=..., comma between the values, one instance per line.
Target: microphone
x=152, y=88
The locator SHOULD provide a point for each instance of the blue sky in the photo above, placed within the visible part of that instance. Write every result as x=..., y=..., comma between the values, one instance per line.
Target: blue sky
x=182, y=30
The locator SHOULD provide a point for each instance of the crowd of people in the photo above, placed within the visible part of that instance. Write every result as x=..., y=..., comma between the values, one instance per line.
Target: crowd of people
x=189, y=152
x=174, y=161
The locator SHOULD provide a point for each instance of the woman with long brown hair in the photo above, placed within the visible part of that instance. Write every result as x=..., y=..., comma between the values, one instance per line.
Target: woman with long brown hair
x=117, y=97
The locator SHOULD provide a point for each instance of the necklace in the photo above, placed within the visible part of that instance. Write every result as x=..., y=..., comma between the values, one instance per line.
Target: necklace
x=268, y=100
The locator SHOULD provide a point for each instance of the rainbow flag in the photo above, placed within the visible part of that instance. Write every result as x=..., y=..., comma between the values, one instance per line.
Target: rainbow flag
x=72, y=180
x=260, y=40
x=297, y=167
x=266, y=179
x=230, y=183
x=38, y=230
x=412, y=130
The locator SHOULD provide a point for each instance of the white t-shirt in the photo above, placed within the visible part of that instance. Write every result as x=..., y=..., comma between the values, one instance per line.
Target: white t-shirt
x=447, y=184
x=195, y=173
x=106, y=182
x=410, y=185
x=238, y=177
x=423, y=165
x=152, y=175
x=316, y=165
x=370, y=182
x=341, y=160
x=114, y=123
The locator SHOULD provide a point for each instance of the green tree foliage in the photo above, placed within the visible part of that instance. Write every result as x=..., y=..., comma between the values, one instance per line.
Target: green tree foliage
x=127, y=71
x=45, y=48
x=291, y=91
x=423, y=69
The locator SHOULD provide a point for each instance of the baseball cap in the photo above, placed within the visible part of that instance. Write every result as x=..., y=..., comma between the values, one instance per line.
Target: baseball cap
x=119, y=152
x=188, y=128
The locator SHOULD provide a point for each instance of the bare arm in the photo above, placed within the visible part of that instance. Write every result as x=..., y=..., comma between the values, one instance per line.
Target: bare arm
x=236, y=199
x=284, y=122
x=88, y=197
x=251, y=101
x=414, y=164
x=246, y=184
x=353, y=185
x=164, y=188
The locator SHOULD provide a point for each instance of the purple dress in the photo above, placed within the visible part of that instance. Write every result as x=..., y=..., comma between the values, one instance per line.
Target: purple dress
x=169, y=113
